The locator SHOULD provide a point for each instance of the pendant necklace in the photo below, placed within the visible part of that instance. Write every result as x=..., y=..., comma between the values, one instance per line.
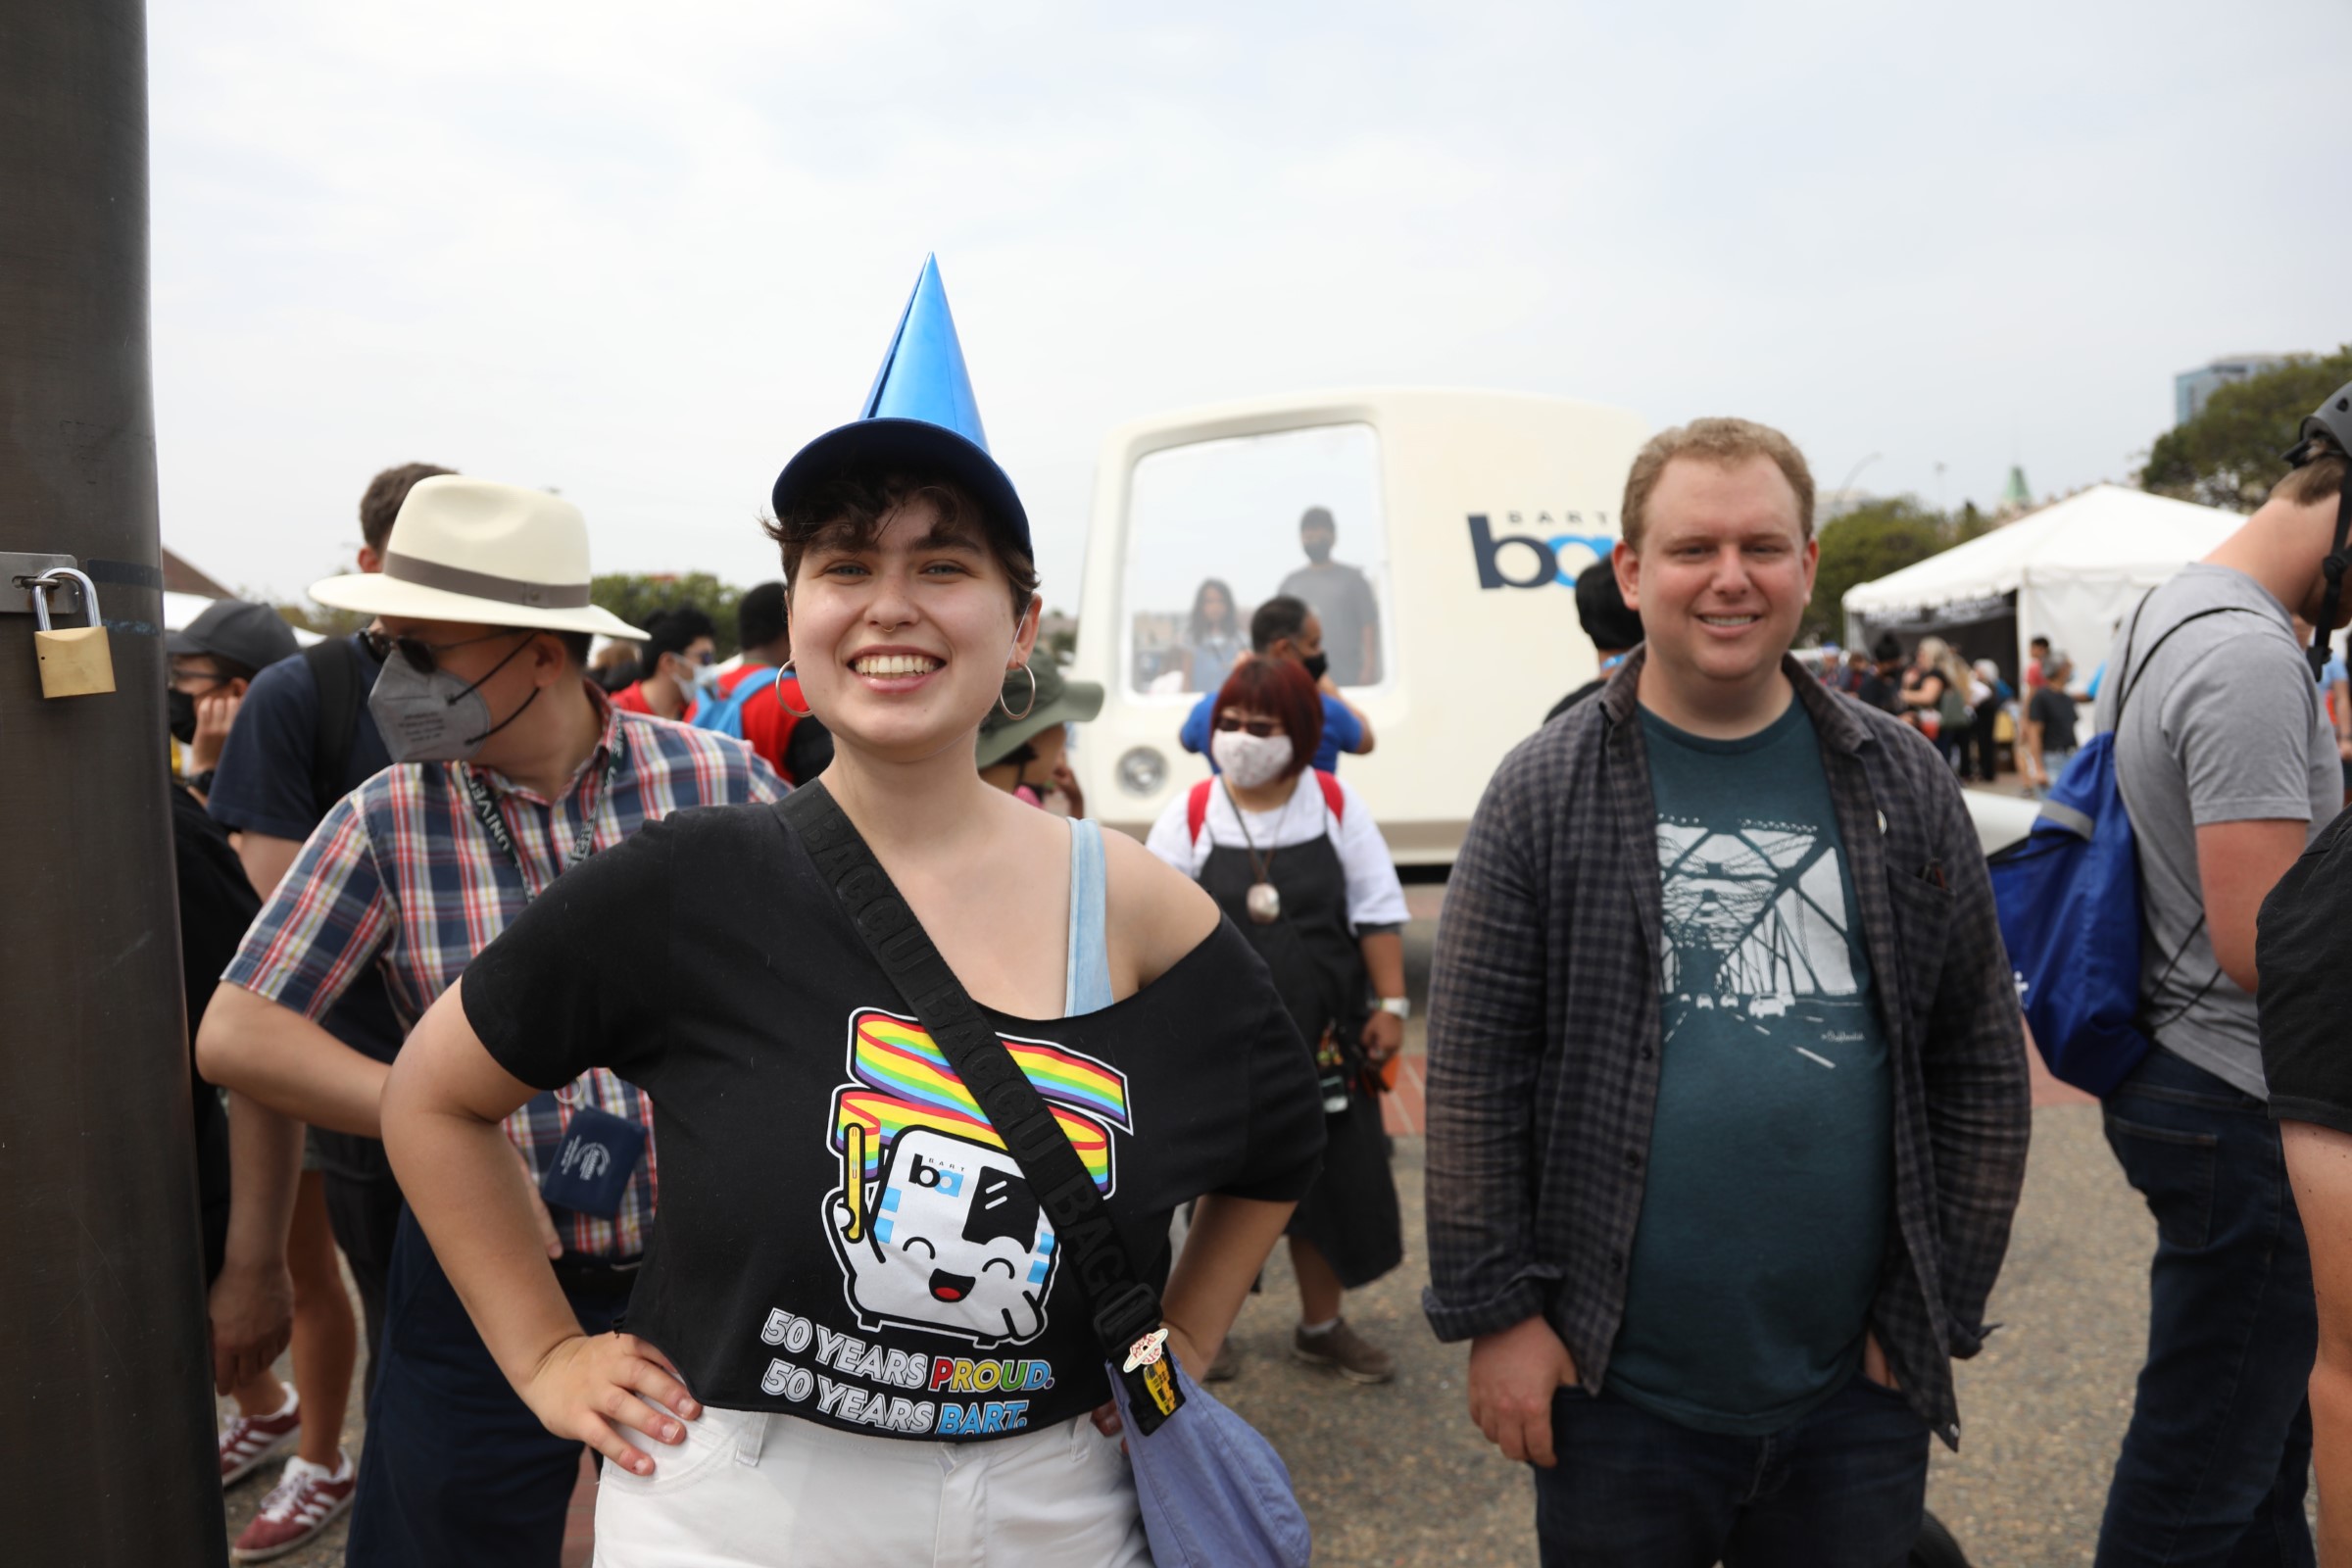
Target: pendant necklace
x=1263, y=899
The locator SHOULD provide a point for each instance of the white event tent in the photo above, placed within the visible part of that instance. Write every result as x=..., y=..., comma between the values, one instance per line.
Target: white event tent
x=2068, y=573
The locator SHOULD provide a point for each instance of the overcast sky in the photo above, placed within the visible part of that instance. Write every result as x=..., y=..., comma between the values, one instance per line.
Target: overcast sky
x=640, y=254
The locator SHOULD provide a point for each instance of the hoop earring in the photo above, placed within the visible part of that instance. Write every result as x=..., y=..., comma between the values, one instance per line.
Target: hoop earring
x=1032, y=708
x=778, y=688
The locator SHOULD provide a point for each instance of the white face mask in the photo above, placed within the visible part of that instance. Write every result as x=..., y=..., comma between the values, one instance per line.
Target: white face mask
x=1248, y=760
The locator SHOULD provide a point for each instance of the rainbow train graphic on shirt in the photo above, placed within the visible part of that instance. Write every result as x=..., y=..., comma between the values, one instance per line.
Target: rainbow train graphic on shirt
x=934, y=1224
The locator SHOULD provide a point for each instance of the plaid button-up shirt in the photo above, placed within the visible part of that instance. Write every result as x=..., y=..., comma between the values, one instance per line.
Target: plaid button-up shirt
x=402, y=875
x=1543, y=1038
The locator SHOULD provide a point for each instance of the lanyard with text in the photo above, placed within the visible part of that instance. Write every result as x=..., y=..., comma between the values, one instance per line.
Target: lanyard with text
x=583, y=842
x=591, y=1168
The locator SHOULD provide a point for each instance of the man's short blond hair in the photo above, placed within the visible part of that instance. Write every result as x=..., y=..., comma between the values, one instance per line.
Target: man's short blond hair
x=1725, y=443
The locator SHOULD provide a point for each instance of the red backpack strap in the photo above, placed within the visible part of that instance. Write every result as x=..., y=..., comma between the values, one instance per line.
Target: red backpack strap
x=1332, y=797
x=1196, y=809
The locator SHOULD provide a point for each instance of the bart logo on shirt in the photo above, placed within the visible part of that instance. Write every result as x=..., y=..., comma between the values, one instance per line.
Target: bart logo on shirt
x=934, y=1224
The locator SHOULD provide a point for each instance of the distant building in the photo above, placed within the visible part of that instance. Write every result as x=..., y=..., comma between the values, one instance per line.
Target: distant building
x=2016, y=497
x=182, y=579
x=2190, y=388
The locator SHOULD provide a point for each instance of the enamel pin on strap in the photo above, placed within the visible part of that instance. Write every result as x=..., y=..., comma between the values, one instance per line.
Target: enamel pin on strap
x=1147, y=1350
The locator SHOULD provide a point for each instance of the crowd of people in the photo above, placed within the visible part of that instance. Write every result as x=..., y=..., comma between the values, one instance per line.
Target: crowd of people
x=1727, y=1082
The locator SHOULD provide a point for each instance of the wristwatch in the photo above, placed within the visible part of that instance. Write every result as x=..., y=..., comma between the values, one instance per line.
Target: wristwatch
x=1401, y=1007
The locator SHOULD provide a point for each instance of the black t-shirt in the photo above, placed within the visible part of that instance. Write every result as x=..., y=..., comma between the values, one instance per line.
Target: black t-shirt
x=1589, y=689
x=2302, y=935
x=706, y=961
x=215, y=905
x=2054, y=711
x=1877, y=691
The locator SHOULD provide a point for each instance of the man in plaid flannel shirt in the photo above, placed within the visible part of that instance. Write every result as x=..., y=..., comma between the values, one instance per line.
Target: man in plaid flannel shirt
x=1728, y=1092
x=414, y=874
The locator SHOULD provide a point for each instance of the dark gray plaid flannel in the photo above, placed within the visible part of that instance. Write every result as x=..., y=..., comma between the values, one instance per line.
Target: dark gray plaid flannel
x=1543, y=1038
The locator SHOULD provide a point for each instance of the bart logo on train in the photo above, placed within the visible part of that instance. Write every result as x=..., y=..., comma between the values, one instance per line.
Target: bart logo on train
x=1537, y=561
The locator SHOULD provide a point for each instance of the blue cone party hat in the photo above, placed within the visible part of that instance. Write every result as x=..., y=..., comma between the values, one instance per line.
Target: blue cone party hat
x=921, y=418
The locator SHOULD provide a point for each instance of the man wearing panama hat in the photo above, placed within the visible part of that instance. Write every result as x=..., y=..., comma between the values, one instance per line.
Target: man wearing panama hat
x=509, y=767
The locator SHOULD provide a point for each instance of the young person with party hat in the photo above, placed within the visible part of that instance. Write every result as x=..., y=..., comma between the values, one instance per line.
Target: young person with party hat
x=510, y=769
x=861, y=1337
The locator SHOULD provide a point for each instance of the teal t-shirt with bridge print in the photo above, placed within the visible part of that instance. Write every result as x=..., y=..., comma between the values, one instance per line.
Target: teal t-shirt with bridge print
x=1771, y=1171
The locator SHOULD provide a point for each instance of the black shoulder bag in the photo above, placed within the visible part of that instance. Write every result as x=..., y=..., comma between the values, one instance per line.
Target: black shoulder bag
x=1127, y=1314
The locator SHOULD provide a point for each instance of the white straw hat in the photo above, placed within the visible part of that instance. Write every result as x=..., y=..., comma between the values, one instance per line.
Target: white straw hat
x=469, y=550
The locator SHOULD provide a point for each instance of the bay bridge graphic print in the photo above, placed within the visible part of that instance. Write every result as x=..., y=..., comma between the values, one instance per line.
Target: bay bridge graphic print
x=1755, y=927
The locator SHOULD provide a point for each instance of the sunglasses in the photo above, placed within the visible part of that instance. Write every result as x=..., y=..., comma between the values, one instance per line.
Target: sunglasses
x=1260, y=728
x=422, y=655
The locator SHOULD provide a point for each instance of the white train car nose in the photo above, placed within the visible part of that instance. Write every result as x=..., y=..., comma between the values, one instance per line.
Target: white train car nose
x=1438, y=536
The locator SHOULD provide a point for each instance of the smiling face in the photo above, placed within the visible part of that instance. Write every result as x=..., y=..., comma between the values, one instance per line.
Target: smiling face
x=902, y=643
x=958, y=1243
x=1722, y=576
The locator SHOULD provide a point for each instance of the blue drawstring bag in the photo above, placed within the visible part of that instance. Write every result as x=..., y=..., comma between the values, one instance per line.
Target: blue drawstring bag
x=2068, y=897
x=1215, y=1492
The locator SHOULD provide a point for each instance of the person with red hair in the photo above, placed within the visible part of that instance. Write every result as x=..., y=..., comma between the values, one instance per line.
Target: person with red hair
x=1295, y=860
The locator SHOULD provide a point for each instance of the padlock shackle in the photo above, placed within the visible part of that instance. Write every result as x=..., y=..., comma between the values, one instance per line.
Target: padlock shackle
x=46, y=583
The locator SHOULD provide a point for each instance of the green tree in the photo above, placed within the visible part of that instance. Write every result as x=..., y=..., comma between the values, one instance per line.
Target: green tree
x=633, y=596
x=2228, y=456
x=1868, y=543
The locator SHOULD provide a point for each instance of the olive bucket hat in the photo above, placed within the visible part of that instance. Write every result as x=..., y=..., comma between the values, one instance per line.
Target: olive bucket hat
x=1058, y=702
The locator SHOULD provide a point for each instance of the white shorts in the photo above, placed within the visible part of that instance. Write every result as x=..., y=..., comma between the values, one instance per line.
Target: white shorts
x=748, y=1490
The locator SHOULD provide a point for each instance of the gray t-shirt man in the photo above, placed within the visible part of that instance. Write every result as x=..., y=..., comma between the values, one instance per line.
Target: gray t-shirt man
x=2222, y=726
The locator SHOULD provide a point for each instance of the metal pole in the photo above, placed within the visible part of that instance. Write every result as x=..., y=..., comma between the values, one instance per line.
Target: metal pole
x=106, y=1453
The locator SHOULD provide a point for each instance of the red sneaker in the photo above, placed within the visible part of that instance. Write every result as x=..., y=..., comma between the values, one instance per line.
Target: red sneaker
x=250, y=1439
x=306, y=1501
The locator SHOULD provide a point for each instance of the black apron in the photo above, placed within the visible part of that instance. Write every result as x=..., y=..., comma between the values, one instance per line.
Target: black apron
x=1350, y=1216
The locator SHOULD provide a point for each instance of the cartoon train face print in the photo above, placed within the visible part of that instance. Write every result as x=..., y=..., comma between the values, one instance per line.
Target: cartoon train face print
x=954, y=1241
x=934, y=1224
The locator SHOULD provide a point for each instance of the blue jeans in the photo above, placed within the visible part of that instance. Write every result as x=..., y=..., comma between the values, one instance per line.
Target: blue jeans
x=457, y=1473
x=1843, y=1487
x=2219, y=1450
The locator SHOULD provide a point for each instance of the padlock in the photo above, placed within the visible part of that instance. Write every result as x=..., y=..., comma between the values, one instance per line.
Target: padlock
x=76, y=661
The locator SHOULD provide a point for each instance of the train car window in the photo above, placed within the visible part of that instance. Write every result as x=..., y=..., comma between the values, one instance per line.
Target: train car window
x=1215, y=528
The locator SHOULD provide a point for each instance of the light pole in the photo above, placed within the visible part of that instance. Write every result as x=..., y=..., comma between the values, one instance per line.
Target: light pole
x=1846, y=491
x=109, y=1457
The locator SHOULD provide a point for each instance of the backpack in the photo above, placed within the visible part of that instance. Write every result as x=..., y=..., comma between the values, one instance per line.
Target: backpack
x=725, y=714
x=1196, y=804
x=1952, y=711
x=2067, y=899
x=342, y=693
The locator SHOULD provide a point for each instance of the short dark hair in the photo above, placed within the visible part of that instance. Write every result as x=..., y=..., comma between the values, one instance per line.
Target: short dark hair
x=1316, y=518
x=1283, y=616
x=1601, y=611
x=2037, y=642
x=575, y=644
x=1887, y=649
x=759, y=615
x=849, y=508
x=1282, y=689
x=385, y=492
x=673, y=631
